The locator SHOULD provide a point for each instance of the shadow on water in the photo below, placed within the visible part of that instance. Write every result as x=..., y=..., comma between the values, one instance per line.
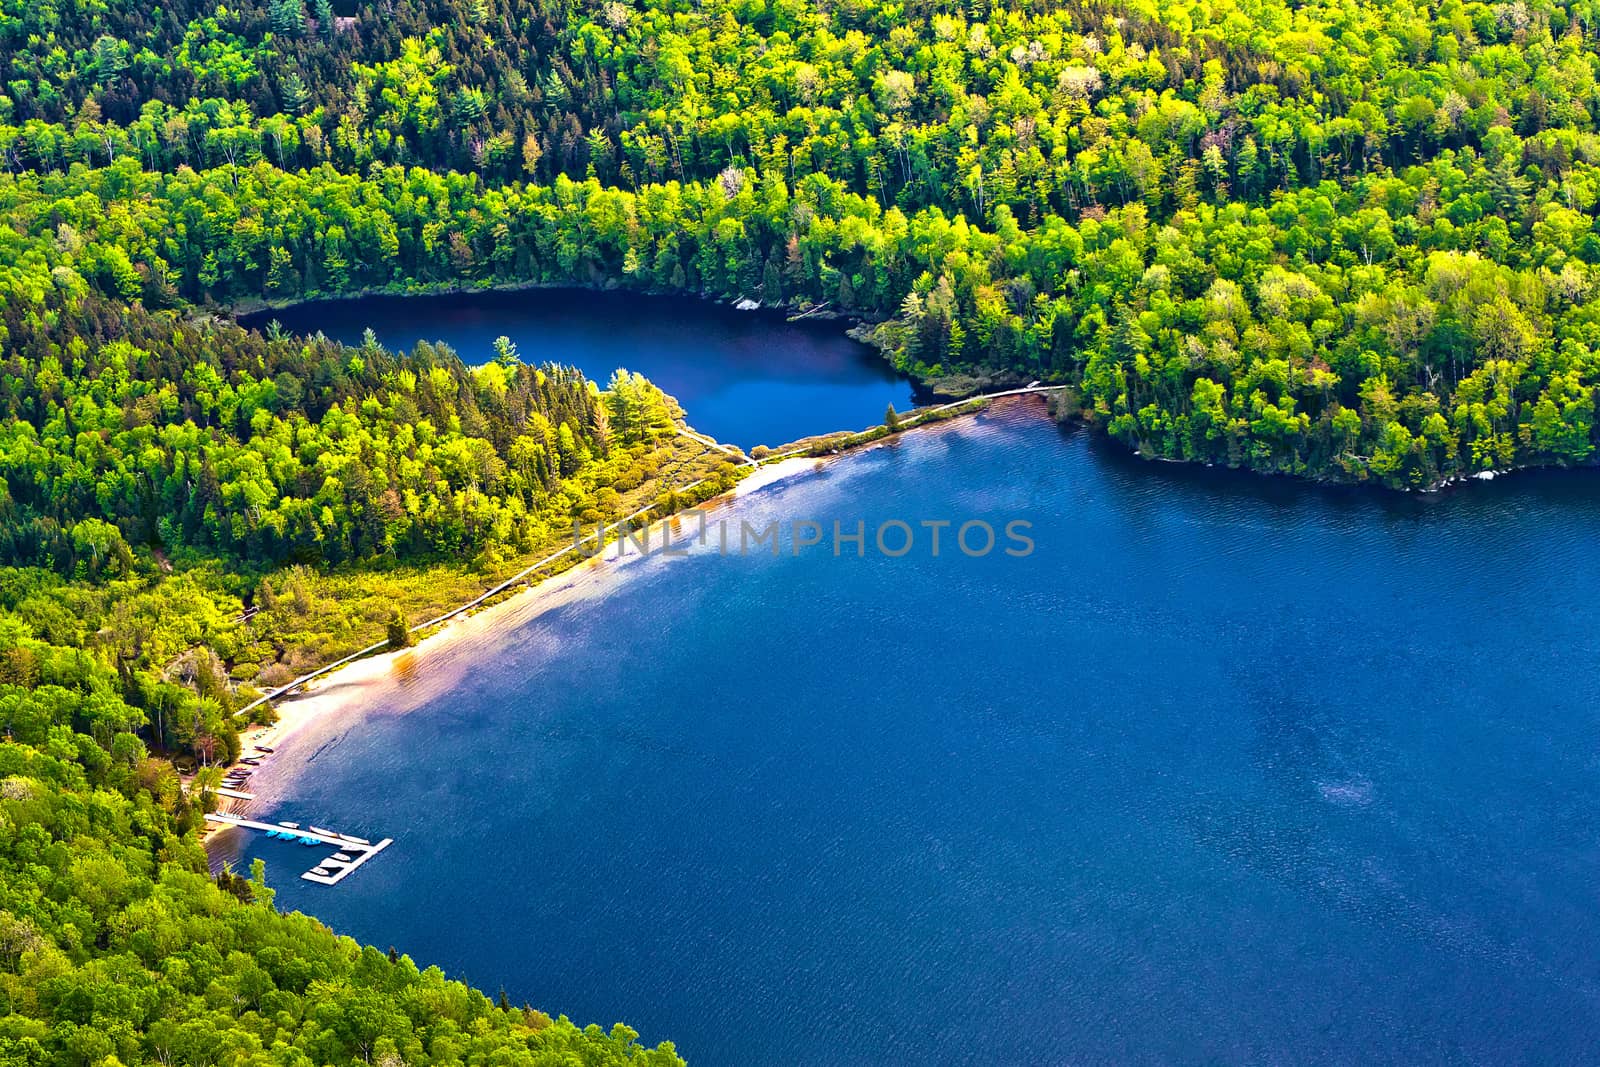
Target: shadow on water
x=744, y=377
x=1233, y=487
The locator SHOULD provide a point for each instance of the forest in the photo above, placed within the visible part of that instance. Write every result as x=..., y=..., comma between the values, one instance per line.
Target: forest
x=193, y=510
x=1340, y=239
x=1350, y=241
x=118, y=947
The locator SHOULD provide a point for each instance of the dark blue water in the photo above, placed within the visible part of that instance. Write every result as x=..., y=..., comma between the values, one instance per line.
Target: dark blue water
x=1227, y=770
x=745, y=377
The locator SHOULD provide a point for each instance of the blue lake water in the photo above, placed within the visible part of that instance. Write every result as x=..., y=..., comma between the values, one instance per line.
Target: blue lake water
x=1227, y=770
x=745, y=377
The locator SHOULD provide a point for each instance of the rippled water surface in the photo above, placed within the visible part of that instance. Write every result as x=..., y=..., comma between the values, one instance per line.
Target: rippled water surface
x=745, y=377
x=1229, y=769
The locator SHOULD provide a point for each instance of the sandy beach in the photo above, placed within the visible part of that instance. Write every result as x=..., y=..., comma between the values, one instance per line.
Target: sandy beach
x=343, y=689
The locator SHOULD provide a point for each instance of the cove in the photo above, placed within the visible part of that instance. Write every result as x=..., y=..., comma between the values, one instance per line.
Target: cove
x=1228, y=770
x=746, y=377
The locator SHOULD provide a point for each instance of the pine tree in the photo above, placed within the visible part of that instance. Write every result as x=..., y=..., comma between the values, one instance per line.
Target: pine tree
x=287, y=17
x=326, y=25
x=505, y=352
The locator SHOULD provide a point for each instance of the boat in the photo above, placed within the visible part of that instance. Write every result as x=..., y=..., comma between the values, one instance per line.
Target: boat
x=320, y=830
x=343, y=857
x=352, y=837
x=264, y=748
x=290, y=825
x=309, y=841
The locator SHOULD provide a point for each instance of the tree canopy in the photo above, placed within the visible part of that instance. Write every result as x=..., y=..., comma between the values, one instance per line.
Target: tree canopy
x=1343, y=239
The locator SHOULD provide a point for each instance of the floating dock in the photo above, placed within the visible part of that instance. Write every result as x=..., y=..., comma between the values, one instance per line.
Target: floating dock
x=330, y=871
x=339, y=869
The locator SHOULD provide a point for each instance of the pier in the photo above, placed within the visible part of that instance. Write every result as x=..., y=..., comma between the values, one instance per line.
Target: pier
x=329, y=871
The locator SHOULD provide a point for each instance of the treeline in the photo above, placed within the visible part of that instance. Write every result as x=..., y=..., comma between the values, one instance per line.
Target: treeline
x=122, y=428
x=154, y=471
x=1351, y=241
x=178, y=472
x=117, y=947
x=1391, y=328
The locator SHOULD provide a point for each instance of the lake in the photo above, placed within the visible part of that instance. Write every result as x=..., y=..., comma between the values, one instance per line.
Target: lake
x=745, y=377
x=1228, y=769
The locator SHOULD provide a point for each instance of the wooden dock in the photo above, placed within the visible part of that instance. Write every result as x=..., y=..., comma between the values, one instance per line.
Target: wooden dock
x=356, y=847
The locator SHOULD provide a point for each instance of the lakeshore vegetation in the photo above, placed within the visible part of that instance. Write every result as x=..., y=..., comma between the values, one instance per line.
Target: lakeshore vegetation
x=1339, y=239
x=1348, y=240
x=193, y=508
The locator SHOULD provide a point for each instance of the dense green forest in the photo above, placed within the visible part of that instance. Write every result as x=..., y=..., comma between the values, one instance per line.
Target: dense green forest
x=160, y=475
x=1341, y=239
x=122, y=428
x=1346, y=240
x=118, y=947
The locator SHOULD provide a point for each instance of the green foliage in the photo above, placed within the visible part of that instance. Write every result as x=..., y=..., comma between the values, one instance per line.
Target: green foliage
x=220, y=441
x=1351, y=240
x=116, y=946
x=1244, y=234
x=399, y=630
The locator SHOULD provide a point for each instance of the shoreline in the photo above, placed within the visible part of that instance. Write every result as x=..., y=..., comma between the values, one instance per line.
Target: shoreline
x=253, y=307
x=855, y=325
x=331, y=692
x=334, y=692
x=331, y=688
x=335, y=688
